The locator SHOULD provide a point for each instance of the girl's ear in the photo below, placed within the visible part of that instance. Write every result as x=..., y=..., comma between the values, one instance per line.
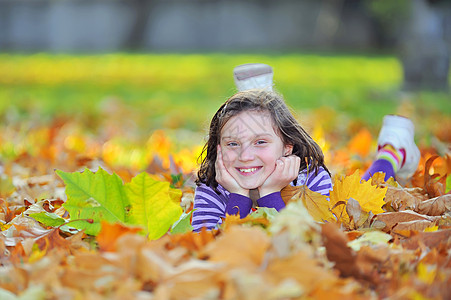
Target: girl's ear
x=287, y=150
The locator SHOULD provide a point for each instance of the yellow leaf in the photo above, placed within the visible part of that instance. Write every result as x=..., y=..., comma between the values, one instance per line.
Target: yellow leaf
x=370, y=198
x=431, y=229
x=316, y=204
x=426, y=273
x=152, y=204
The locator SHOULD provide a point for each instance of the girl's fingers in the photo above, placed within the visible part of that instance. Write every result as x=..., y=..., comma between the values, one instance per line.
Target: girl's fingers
x=289, y=166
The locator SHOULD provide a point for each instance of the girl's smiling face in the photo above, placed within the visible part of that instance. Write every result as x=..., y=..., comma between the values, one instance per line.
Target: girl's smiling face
x=250, y=148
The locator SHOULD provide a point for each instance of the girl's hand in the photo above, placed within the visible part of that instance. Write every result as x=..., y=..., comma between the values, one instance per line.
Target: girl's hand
x=287, y=169
x=224, y=178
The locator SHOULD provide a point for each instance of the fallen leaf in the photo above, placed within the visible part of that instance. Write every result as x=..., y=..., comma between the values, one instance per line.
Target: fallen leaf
x=152, y=204
x=193, y=241
x=355, y=213
x=110, y=233
x=433, y=186
x=391, y=219
x=429, y=239
x=52, y=240
x=436, y=206
x=417, y=225
x=96, y=196
x=337, y=250
x=361, y=143
x=240, y=247
x=401, y=199
x=369, y=197
x=316, y=204
x=183, y=224
x=370, y=238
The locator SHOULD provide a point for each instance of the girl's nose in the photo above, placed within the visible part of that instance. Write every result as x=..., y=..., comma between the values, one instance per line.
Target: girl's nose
x=246, y=154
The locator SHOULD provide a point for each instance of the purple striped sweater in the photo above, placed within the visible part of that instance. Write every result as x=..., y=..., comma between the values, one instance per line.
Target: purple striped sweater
x=210, y=207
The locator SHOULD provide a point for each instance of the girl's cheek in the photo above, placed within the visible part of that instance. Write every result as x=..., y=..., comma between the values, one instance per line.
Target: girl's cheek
x=227, y=156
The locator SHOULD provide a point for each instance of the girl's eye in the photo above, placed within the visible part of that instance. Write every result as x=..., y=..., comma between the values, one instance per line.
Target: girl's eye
x=232, y=144
x=260, y=142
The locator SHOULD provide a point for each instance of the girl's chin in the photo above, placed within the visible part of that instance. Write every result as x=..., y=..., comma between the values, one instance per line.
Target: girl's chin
x=250, y=186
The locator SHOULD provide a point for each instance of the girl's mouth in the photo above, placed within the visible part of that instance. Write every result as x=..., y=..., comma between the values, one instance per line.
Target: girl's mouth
x=248, y=171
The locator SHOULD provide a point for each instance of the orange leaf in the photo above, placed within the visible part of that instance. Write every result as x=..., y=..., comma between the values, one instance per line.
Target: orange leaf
x=361, y=143
x=110, y=233
x=193, y=241
x=53, y=240
x=433, y=186
x=240, y=246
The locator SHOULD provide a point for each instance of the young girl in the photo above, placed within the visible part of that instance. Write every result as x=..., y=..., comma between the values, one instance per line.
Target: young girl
x=255, y=148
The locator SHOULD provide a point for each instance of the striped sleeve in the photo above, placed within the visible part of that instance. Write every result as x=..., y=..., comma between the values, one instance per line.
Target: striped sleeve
x=209, y=208
x=320, y=183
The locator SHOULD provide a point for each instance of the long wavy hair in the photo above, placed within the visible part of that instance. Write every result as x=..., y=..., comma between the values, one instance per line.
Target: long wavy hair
x=284, y=123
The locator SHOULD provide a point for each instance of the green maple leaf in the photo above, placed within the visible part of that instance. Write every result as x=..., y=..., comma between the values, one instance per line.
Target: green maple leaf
x=183, y=224
x=152, y=204
x=97, y=196
x=48, y=219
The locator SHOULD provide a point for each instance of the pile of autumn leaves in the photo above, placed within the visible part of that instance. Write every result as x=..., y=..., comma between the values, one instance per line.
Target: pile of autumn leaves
x=89, y=235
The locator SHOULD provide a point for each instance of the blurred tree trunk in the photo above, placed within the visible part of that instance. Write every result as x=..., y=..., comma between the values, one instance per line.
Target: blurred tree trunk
x=142, y=10
x=425, y=53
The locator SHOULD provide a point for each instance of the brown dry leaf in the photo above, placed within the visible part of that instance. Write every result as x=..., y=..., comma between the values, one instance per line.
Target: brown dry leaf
x=337, y=250
x=109, y=234
x=429, y=239
x=194, y=279
x=433, y=186
x=302, y=268
x=418, y=192
x=391, y=219
x=91, y=272
x=436, y=206
x=53, y=240
x=369, y=261
x=355, y=213
x=23, y=227
x=416, y=225
x=401, y=199
x=239, y=247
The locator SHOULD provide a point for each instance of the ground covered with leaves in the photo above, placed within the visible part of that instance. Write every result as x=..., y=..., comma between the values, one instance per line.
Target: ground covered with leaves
x=101, y=214
x=76, y=226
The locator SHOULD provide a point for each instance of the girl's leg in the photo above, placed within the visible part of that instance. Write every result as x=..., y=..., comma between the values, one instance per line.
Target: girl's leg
x=397, y=153
x=388, y=161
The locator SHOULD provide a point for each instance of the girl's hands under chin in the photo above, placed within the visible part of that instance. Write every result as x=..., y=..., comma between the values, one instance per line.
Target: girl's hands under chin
x=224, y=178
x=287, y=169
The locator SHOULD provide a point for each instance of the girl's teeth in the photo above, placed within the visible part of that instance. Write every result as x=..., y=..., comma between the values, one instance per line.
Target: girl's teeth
x=248, y=170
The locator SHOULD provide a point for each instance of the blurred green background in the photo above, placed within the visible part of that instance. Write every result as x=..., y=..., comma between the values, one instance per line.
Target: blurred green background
x=119, y=79
x=184, y=90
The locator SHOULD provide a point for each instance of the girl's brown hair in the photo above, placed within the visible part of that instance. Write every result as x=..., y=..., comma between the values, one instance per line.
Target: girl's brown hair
x=285, y=125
